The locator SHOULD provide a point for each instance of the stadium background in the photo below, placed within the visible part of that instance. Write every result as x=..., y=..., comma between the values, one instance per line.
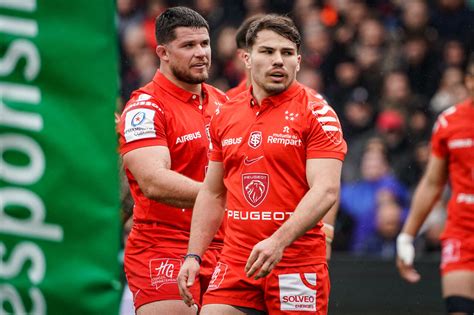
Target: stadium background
x=388, y=68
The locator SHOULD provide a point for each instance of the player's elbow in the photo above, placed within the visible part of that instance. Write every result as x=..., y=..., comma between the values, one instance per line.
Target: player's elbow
x=150, y=192
x=151, y=189
x=331, y=193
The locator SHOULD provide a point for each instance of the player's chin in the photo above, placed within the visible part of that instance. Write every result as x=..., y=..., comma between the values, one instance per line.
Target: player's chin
x=200, y=76
x=275, y=88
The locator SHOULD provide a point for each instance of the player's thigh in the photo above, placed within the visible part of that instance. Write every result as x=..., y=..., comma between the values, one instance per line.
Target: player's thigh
x=166, y=307
x=223, y=309
x=458, y=283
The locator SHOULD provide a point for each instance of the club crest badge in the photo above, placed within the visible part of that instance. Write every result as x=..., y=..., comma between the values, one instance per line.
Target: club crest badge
x=255, y=187
x=255, y=139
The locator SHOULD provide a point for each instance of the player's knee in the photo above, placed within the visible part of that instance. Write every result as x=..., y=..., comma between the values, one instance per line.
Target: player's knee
x=459, y=305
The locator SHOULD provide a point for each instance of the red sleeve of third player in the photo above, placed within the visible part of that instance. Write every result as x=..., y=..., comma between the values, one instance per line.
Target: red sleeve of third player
x=438, y=143
x=142, y=124
x=215, y=146
x=325, y=138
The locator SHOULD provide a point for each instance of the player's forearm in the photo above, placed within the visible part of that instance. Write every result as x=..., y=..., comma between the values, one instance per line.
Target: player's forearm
x=426, y=194
x=311, y=209
x=171, y=188
x=207, y=218
x=330, y=217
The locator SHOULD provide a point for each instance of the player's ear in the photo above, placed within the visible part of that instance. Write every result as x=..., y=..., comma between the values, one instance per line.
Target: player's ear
x=247, y=60
x=162, y=52
x=299, y=63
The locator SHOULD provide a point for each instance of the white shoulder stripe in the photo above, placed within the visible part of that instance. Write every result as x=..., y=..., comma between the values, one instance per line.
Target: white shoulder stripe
x=330, y=128
x=323, y=110
x=327, y=119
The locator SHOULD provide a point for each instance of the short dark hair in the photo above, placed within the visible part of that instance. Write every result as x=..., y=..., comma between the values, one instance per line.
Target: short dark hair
x=279, y=24
x=171, y=18
x=240, y=36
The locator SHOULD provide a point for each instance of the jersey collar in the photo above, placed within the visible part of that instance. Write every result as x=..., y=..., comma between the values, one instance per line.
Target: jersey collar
x=276, y=100
x=185, y=96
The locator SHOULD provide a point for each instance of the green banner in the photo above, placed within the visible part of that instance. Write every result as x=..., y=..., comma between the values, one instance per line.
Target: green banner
x=59, y=218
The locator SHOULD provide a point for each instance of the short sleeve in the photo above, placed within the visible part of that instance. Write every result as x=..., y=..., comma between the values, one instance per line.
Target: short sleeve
x=142, y=124
x=215, y=144
x=438, y=143
x=324, y=139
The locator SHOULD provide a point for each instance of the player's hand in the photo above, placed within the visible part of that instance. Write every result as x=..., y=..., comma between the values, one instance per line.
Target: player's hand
x=328, y=251
x=405, y=257
x=263, y=258
x=187, y=274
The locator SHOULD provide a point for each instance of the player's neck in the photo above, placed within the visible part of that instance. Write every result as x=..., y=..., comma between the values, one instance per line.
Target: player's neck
x=259, y=94
x=190, y=87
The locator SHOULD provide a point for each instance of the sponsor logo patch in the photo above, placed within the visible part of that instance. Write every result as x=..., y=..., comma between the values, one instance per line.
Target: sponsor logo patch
x=297, y=292
x=231, y=141
x=248, y=161
x=451, y=251
x=189, y=137
x=217, y=276
x=255, y=187
x=139, y=124
x=164, y=271
x=255, y=139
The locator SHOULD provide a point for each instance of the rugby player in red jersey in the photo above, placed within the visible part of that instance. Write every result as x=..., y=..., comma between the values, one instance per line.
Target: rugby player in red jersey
x=452, y=159
x=164, y=141
x=276, y=159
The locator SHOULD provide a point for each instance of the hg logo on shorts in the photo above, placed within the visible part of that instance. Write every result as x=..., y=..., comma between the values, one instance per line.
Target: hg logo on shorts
x=164, y=271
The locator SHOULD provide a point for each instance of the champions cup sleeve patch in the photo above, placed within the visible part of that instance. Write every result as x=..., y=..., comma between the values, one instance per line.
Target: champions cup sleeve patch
x=139, y=124
x=298, y=292
x=164, y=271
x=217, y=276
x=327, y=119
x=255, y=187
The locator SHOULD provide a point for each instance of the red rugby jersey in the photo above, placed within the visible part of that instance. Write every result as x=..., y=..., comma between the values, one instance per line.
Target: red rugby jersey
x=264, y=151
x=163, y=114
x=453, y=140
x=238, y=89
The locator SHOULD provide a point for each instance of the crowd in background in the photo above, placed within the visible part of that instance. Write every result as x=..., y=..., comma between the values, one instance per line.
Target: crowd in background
x=388, y=68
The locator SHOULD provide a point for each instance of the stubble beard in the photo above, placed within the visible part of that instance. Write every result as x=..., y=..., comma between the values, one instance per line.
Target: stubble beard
x=273, y=89
x=186, y=76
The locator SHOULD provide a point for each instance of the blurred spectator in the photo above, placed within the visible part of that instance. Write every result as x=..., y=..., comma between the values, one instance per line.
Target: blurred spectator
x=240, y=80
x=311, y=78
x=451, y=90
x=391, y=127
x=453, y=20
x=347, y=79
x=396, y=91
x=153, y=9
x=135, y=48
x=415, y=20
x=361, y=199
x=358, y=114
x=388, y=223
x=418, y=160
x=454, y=54
x=420, y=65
x=318, y=51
